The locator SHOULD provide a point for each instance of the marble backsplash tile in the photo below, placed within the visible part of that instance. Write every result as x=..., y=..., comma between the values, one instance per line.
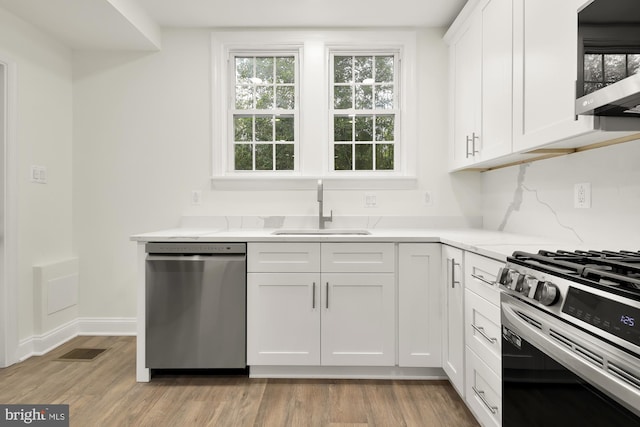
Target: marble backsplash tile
x=366, y=222
x=538, y=198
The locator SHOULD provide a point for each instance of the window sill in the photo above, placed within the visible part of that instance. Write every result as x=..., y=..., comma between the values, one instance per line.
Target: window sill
x=250, y=183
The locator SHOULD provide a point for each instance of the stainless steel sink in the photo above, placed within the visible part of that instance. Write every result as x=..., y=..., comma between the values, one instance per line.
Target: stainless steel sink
x=321, y=232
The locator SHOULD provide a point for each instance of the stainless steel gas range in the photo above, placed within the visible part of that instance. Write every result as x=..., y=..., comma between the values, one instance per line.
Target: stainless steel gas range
x=571, y=338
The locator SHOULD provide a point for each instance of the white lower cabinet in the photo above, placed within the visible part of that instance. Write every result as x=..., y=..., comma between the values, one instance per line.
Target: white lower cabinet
x=283, y=319
x=327, y=317
x=358, y=319
x=453, y=317
x=483, y=339
x=484, y=391
x=419, y=305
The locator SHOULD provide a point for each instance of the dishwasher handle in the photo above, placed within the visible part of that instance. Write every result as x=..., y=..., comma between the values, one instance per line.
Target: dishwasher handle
x=196, y=258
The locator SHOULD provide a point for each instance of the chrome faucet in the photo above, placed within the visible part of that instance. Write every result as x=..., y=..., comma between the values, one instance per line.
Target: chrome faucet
x=321, y=218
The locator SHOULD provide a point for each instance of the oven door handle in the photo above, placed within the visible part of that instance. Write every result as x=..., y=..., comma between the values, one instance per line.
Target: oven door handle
x=597, y=364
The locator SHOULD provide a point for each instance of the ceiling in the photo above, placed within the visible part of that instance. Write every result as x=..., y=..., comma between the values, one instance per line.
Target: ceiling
x=135, y=24
x=302, y=13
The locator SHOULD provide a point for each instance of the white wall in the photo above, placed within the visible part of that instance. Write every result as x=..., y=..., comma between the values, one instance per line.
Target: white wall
x=142, y=142
x=537, y=198
x=44, y=137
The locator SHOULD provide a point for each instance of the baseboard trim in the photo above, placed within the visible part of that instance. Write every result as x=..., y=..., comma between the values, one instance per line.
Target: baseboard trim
x=116, y=326
x=38, y=345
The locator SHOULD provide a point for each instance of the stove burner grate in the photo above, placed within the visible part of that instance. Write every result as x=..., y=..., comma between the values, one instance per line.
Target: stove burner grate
x=609, y=268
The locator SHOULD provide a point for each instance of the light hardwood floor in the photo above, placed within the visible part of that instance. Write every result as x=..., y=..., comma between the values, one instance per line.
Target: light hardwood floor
x=104, y=392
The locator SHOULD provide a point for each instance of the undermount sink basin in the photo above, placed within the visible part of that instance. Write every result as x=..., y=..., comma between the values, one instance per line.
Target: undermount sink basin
x=323, y=232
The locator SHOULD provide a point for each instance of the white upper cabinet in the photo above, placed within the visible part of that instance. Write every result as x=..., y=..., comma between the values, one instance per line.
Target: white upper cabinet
x=545, y=73
x=481, y=87
x=497, y=76
x=466, y=89
x=514, y=67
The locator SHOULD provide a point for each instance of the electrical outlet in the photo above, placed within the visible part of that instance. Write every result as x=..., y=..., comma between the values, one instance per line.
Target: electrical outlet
x=428, y=198
x=582, y=195
x=370, y=201
x=196, y=197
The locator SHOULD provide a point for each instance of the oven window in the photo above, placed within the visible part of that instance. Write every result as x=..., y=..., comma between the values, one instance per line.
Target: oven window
x=538, y=391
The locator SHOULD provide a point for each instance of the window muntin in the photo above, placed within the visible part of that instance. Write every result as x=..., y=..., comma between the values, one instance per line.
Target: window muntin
x=264, y=113
x=364, y=113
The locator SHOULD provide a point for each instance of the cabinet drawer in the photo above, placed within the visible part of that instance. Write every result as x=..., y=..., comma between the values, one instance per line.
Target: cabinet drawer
x=484, y=391
x=482, y=329
x=480, y=276
x=283, y=257
x=358, y=257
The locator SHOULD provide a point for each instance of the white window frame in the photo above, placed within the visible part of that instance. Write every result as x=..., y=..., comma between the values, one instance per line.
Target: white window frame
x=312, y=158
x=231, y=110
x=395, y=111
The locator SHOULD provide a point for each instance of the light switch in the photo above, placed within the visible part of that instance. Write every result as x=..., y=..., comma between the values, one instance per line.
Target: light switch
x=38, y=174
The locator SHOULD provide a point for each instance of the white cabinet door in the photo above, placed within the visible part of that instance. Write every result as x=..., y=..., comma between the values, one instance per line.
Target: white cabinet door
x=482, y=61
x=545, y=73
x=283, y=318
x=358, y=319
x=497, y=80
x=453, y=326
x=419, y=305
x=466, y=57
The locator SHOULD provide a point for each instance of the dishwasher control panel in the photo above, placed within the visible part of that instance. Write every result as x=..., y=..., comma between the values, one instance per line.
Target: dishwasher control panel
x=195, y=248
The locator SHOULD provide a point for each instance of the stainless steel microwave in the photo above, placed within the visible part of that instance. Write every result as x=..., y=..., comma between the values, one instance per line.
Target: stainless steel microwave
x=608, y=81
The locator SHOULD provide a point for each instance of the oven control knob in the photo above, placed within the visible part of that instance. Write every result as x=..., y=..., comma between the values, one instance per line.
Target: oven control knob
x=514, y=280
x=528, y=282
x=547, y=293
x=503, y=277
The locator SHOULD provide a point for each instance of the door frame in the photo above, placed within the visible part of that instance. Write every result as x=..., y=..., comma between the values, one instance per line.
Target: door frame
x=9, y=259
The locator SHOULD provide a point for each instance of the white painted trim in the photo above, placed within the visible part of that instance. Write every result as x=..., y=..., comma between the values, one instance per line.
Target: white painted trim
x=116, y=326
x=9, y=282
x=246, y=182
x=350, y=372
x=38, y=345
x=314, y=70
x=143, y=374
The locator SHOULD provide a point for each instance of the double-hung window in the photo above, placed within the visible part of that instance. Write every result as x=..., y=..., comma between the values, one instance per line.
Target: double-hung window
x=300, y=104
x=264, y=114
x=364, y=111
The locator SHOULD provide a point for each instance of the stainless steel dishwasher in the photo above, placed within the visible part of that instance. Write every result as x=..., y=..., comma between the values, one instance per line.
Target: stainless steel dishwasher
x=196, y=305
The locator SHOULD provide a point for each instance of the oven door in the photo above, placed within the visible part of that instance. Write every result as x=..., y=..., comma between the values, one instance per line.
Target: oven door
x=554, y=374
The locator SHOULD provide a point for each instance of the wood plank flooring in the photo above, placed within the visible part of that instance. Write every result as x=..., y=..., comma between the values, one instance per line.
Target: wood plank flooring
x=104, y=392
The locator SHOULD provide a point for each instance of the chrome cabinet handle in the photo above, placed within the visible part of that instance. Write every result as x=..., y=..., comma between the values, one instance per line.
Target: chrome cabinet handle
x=327, y=299
x=482, y=279
x=313, y=299
x=480, y=394
x=472, y=139
x=453, y=273
x=481, y=331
